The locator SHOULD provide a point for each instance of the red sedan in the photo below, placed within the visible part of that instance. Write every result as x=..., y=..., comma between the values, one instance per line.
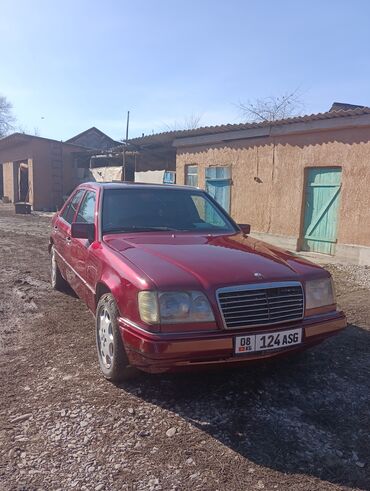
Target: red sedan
x=174, y=282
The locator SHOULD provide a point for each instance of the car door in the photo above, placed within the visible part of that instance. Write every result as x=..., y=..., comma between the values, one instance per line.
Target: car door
x=62, y=232
x=82, y=256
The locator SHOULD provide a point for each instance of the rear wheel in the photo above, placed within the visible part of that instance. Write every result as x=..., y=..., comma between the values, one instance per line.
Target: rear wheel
x=56, y=278
x=112, y=356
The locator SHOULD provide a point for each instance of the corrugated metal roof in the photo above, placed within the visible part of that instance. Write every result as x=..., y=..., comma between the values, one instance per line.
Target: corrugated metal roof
x=207, y=130
x=338, y=106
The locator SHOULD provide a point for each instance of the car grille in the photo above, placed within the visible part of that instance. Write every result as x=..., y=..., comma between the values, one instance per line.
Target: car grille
x=264, y=304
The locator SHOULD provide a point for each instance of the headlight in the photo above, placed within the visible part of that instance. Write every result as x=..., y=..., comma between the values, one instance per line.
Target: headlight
x=148, y=307
x=319, y=293
x=174, y=307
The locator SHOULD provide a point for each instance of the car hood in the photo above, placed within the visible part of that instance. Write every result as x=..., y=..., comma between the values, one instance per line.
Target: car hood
x=210, y=261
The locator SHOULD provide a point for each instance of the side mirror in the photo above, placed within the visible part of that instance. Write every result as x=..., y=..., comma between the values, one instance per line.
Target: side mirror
x=245, y=228
x=83, y=231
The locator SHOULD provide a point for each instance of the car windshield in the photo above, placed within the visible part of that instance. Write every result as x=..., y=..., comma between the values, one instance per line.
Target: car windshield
x=161, y=209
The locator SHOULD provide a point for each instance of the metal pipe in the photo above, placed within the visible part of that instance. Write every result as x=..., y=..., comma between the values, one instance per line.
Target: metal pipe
x=124, y=148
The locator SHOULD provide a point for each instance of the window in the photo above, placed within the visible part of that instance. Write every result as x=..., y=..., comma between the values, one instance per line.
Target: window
x=218, y=173
x=191, y=175
x=87, y=209
x=70, y=210
x=65, y=211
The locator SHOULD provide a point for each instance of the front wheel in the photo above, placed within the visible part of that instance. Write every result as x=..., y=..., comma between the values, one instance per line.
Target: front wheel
x=113, y=359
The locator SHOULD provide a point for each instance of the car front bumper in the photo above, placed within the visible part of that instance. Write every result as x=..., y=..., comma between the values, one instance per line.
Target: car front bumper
x=159, y=352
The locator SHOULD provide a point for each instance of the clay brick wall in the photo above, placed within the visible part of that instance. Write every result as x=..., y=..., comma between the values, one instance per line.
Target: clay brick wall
x=39, y=154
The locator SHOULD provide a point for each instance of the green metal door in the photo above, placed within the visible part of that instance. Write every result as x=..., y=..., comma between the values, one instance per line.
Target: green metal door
x=321, y=209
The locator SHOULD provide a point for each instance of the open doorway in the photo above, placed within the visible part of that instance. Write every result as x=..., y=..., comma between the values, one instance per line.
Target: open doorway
x=1, y=181
x=23, y=182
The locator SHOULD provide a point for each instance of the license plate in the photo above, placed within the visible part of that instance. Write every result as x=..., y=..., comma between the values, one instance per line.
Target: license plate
x=267, y=341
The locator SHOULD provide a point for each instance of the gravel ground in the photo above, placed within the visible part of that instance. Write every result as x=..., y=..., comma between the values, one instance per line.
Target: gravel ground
x=300, y=424
x=359, y=275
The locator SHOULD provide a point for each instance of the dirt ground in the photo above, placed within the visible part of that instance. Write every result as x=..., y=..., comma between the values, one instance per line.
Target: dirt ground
x=299, y=424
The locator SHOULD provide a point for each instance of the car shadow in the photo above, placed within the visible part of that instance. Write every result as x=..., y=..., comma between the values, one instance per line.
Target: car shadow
x=69, y=291
x=305, y=414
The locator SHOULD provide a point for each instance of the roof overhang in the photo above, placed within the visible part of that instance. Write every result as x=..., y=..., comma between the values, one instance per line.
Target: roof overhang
x=13, y=140
x=16, y=139
x=309, y=126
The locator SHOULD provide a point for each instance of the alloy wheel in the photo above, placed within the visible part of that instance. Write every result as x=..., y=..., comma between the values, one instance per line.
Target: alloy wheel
x=105, y=338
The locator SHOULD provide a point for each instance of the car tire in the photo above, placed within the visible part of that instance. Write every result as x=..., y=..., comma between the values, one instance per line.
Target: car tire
x=57, y=281
x=112, y=356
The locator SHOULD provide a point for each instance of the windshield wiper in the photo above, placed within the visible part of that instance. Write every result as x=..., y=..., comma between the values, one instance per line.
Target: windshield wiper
x=134, y=228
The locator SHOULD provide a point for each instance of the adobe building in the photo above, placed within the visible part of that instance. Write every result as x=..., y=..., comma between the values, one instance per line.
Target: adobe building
x=302, y=183
x=42, y=171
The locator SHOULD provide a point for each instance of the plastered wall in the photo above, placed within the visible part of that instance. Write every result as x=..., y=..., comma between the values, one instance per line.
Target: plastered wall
x=268, y=179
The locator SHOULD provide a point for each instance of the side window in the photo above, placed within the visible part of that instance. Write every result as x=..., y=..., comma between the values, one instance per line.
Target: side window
x=70, y=209
x=87, y=209
x=191, y=175
x=65, y=211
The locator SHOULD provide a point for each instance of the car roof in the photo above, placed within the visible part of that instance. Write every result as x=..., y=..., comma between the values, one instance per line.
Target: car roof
x=133, y=185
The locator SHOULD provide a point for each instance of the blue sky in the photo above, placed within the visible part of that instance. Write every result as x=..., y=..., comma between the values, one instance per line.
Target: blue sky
x=79, y=63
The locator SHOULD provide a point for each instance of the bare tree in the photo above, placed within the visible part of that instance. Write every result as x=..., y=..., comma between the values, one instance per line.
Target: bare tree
x=272, y=108
x=188, y=123
x=6, y=117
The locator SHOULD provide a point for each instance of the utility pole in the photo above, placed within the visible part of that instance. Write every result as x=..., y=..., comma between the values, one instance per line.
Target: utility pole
x=124, y=148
